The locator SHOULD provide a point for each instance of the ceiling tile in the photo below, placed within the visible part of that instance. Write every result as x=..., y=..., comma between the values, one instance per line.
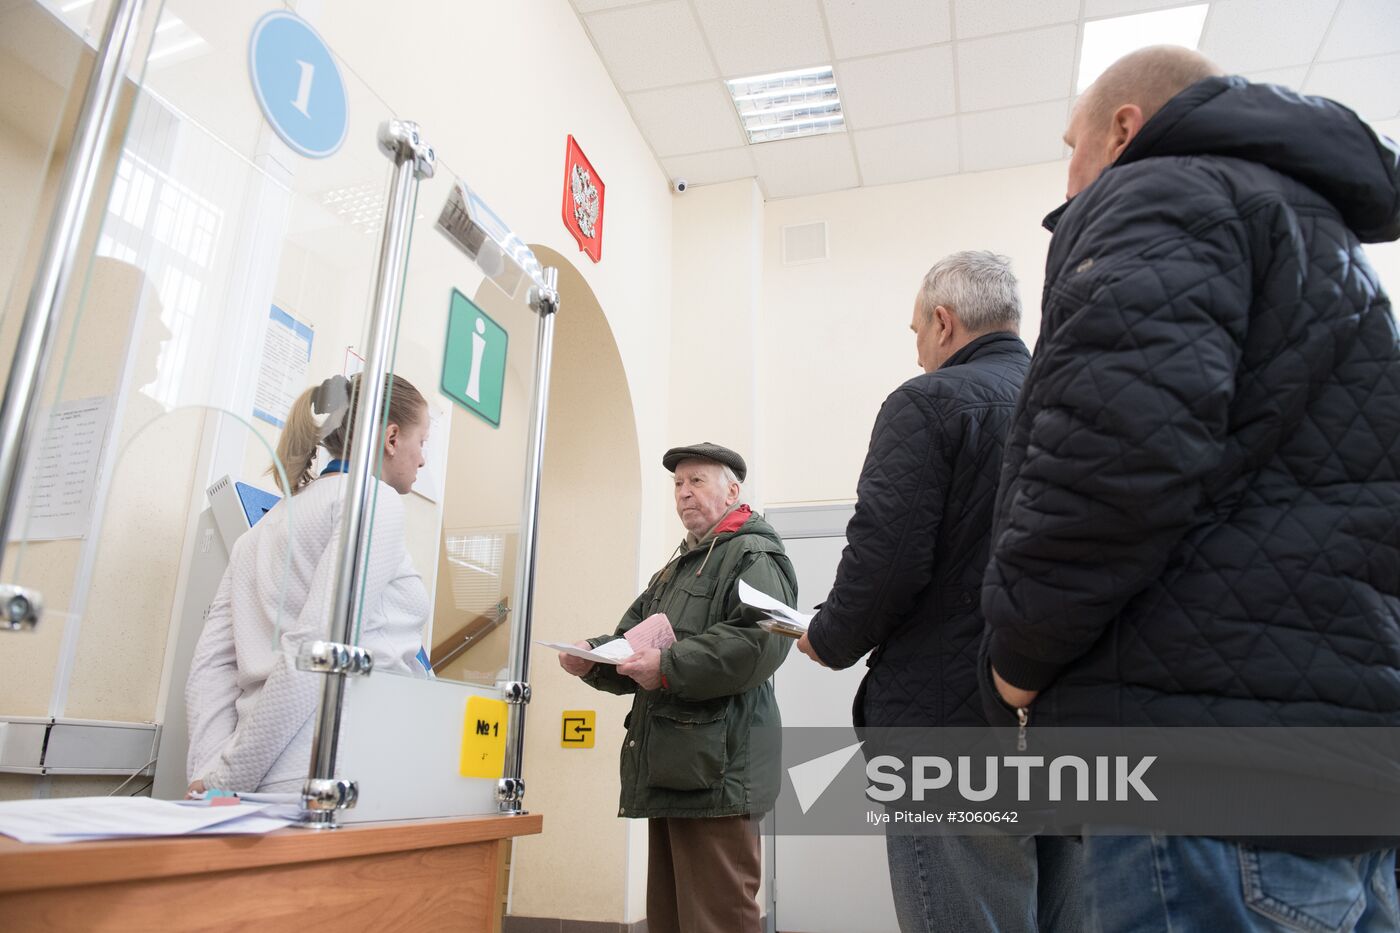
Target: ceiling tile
x=897, y=88
x=708, y=168
x=901, y=24
x=1021, y=68
x=984, y=17
x=593, y=6
x=673, y=53
x=1257, y=35
x=1363, y=27
x=681, y=120
x=908, y=152
x=750, y=38
x=795, y=167
x=1098, y=9
x=1288, y=77
x=1020, y=136
x=1370, y=86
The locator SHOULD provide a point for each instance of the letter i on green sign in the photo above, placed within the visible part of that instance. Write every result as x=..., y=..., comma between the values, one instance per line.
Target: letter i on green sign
x=474, y=361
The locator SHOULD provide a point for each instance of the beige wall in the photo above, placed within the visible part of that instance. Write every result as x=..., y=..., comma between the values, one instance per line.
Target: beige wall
x=715, y=351
x=838, y=331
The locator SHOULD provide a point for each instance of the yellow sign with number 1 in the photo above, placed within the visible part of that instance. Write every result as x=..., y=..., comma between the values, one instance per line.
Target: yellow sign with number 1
x=484, y=738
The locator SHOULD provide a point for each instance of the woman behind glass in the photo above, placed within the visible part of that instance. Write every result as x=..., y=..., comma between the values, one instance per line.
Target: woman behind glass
x=250, y=709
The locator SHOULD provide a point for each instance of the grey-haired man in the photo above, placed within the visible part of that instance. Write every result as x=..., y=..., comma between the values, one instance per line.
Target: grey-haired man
x=907, y=591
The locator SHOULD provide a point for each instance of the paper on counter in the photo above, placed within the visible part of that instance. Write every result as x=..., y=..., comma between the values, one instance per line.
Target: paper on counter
x=609, y=652
x=78, y=819
x=652, y=632
x=777, y=611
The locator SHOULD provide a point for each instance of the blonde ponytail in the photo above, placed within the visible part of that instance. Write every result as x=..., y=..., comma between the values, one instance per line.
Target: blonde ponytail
x=296, y=448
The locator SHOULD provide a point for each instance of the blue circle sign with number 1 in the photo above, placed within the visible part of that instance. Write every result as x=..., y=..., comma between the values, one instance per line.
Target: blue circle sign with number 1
x=298, y=84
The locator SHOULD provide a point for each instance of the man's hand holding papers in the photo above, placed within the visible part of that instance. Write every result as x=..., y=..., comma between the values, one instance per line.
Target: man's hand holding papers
x=781, y=618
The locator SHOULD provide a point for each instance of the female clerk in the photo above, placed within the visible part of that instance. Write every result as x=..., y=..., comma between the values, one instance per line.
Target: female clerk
x=250, y=710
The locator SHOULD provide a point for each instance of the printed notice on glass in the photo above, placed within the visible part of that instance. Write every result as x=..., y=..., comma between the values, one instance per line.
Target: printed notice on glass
x=285, y=360
x=63, y=473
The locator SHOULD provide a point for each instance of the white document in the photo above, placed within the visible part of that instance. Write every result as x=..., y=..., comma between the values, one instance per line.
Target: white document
x=59, y=484
x=609, y=652
x=282, y=375
x=76, y=819
x=783, y=614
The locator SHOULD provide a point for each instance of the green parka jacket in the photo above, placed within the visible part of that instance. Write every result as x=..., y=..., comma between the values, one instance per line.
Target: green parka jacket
x=691, y=748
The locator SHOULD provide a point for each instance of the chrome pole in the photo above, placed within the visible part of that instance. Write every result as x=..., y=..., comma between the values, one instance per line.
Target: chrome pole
x=511, y=792
x=413, y=161
x=39, y=327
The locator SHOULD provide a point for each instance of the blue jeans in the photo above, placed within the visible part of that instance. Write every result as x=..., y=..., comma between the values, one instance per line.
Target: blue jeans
x=999, y=884
x=1192, y=884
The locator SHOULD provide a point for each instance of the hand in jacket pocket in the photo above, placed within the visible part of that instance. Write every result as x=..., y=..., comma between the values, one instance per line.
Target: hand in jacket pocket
x=1014, y=697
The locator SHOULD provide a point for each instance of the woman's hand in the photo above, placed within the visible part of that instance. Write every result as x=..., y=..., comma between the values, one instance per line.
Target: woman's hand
x=195, y=789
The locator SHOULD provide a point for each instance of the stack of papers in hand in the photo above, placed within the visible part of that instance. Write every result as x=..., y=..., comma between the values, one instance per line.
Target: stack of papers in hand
x=652, y=632
x=782, y=619
x=609, y=652
x=78, y=819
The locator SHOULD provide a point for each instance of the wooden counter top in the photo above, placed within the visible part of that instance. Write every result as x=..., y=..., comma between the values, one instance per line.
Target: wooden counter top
x=25, y=867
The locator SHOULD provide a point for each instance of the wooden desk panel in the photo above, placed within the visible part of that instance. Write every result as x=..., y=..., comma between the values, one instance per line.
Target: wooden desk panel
x=428, y=876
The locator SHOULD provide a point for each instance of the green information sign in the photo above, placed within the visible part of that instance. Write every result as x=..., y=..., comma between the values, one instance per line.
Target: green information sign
x=474, y=364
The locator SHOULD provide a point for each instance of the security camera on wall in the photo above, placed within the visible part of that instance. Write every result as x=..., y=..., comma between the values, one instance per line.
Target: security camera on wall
x=679, y=185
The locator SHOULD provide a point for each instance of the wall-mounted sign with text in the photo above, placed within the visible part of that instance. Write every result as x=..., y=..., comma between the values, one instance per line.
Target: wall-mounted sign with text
x=583, y=201
x=298, y=84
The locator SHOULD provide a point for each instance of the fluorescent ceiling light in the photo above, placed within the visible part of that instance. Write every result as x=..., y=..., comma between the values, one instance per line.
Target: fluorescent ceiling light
x=1107, y=40
x=788, y=104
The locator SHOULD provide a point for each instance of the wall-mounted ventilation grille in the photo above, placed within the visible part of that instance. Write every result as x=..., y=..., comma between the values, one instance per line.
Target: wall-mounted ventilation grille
x=804, y=243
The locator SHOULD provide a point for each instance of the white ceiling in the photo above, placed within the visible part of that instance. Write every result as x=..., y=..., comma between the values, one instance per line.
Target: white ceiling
x=936, y=87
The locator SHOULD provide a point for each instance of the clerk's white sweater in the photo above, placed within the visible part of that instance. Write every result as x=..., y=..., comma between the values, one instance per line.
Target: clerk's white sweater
x=250, y=710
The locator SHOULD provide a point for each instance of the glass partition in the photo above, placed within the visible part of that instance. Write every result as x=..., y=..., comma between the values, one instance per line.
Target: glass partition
x=473, y=347
x=186, y=494
x=225, y=272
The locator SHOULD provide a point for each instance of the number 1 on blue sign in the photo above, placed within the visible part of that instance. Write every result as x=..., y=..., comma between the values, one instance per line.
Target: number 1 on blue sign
x=308, y=73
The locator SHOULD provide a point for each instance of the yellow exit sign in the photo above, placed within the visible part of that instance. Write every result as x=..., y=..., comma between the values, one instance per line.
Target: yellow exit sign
x=578, y=728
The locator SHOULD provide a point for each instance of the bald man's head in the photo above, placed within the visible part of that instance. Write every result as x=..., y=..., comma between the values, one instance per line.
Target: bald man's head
x=1147, y=78
x=1114, y=108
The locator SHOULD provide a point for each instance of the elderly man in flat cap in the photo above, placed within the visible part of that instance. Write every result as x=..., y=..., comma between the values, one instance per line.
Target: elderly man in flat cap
x=689, y=762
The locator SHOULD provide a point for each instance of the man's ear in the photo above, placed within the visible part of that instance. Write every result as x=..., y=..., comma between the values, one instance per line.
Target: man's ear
x=1127, y=122
x=946, y=323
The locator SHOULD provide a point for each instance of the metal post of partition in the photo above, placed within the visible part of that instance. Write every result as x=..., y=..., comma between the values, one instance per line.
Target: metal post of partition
x=21, y=608
x=511, y=791
x=337, y=658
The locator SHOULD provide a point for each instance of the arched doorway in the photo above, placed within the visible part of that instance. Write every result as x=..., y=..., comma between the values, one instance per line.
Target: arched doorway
x=590, y=516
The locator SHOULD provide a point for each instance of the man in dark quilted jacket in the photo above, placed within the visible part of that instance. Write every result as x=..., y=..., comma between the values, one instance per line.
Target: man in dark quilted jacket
x=907, y=589
x=1199, y=515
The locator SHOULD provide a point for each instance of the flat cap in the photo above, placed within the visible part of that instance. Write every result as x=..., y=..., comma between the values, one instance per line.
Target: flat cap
x=706, y=451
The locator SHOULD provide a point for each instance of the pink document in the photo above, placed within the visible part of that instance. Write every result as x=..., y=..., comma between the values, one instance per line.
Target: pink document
x=652, y=632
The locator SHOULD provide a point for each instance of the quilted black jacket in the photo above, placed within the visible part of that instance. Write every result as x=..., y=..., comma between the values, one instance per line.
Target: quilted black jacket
x=1199, y=520
x=909, y=578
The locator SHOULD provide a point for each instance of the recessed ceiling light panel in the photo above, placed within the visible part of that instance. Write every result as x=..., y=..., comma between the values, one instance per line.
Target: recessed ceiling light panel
x=788, y=104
